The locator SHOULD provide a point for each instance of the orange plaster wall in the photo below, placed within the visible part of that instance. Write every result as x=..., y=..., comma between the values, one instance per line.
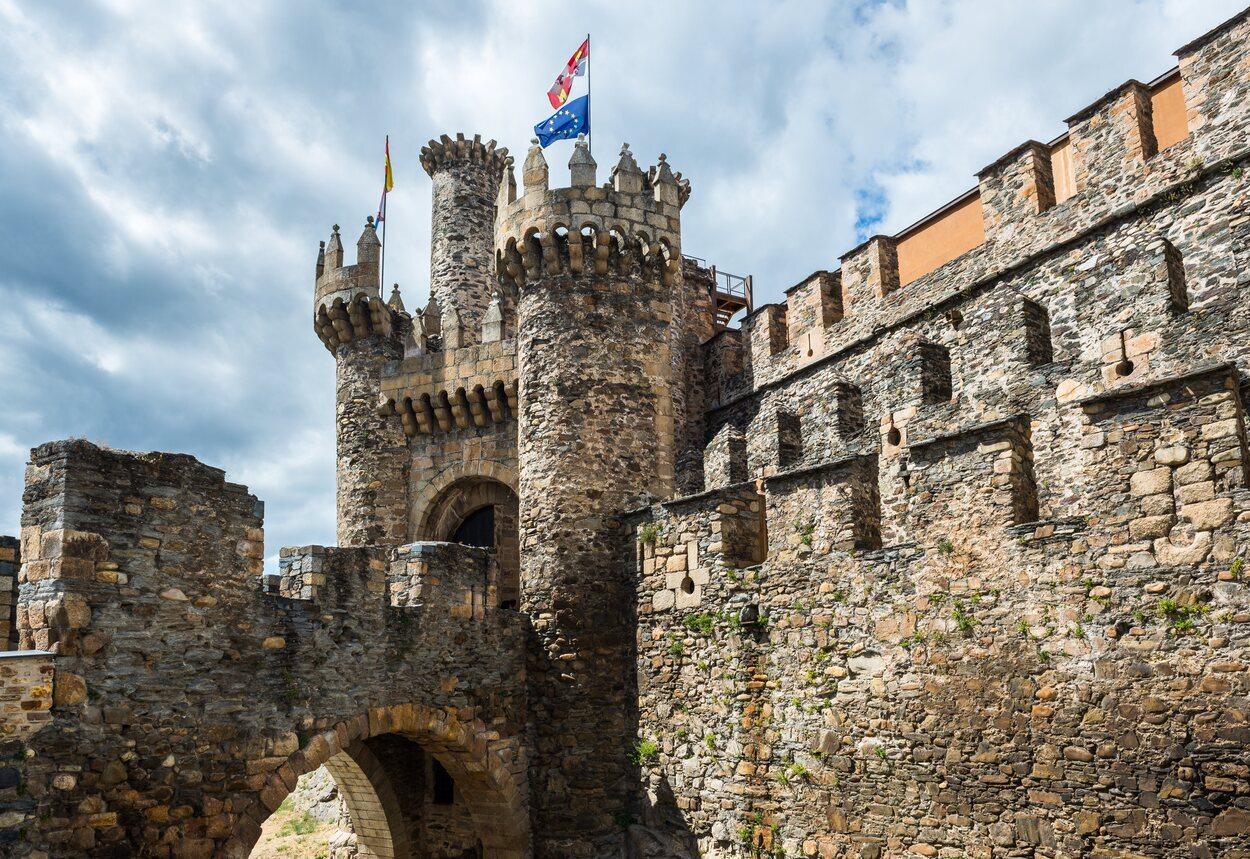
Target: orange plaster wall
x=1061, y=167
x=940, y=240
x=1167, y=106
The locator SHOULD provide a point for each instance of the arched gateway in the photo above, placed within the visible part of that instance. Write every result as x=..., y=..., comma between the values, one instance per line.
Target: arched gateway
x=384, y=818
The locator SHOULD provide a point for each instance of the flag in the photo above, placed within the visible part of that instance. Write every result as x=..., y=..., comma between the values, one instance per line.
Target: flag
x=575, y=67
x=390, y=178
x=387, y=183
x=568, y=121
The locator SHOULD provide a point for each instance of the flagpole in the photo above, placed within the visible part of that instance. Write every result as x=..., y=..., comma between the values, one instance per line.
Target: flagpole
x=590, y=140
x=385, y=217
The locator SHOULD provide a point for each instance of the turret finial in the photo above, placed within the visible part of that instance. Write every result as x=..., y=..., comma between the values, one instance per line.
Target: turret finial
x=369, y=218
x=335, y=229
x=395, y=302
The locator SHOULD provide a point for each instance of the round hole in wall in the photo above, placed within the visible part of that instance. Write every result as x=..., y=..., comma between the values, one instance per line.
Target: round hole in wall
x=1124, y=368
x=687, y=585
x=893, y=437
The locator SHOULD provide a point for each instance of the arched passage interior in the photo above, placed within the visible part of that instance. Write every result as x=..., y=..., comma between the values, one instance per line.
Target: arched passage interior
x=416, y=782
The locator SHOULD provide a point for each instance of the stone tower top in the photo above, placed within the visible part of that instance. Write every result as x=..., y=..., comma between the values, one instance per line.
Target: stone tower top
x=634, y=212
x=445, y=151
x=466, y=176
x=338, y=281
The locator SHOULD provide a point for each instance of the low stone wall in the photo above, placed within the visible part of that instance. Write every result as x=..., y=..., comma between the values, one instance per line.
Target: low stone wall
x=188, y=700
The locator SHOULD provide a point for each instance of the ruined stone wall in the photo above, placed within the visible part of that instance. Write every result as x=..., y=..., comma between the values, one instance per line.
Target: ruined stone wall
x=1003, y=608
x=10, y=560
x=187, y=701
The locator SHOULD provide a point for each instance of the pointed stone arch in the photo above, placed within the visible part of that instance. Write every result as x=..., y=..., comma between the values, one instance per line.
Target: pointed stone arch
x=488, y=770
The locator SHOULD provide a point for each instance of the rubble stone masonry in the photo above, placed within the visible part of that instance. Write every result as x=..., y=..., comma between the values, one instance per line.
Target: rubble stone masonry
x=943, y=556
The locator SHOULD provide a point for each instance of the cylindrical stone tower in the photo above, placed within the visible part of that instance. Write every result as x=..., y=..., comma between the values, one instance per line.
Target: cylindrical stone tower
x=466, y=175
x=357, y=327
x=595, y=269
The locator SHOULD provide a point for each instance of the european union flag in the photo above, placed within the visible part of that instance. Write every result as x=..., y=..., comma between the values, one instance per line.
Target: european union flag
x=569, y=121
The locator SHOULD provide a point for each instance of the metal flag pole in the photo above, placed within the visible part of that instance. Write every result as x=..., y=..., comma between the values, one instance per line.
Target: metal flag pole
x=590, y=144
x=385, y=218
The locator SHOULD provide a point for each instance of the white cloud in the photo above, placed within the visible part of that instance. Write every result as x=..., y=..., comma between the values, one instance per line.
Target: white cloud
x=171, y=167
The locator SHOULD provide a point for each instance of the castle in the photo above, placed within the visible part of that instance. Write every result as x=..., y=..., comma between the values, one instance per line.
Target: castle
x=943, y=556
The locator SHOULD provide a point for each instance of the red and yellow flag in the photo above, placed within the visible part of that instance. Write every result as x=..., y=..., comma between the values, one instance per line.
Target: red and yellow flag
x=387, y=184
x=390, y=179
x=575, y=67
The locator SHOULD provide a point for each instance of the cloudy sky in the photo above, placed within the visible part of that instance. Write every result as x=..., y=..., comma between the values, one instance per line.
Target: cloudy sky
x=166, y=170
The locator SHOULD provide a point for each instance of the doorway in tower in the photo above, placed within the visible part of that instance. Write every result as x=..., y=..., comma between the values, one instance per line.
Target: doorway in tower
x=482, y=512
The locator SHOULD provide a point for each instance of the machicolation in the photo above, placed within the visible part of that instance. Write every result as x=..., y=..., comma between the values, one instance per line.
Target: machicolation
x=943, y=556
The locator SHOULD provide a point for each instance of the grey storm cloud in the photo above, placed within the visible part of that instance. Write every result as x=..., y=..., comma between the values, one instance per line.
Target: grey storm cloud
x=166, y=171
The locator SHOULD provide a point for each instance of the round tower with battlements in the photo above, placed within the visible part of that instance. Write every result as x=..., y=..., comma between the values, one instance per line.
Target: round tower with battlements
x=595, y=270
x=465, y=175
x=363, y=333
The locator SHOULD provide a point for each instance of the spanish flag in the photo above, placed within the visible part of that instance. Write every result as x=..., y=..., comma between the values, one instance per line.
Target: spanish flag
x=575, y=67
x=387, y=184
x=390, y=179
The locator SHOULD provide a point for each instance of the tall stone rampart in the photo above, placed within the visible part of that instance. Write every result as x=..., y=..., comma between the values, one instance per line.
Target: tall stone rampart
x=1002, y=608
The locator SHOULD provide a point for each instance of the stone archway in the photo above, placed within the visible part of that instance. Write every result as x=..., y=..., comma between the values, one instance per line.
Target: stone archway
x=487, y=770
x=459, y=492
x=371, y=803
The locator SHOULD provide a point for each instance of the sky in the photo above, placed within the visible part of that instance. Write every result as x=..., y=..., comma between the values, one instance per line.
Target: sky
x=167, y=169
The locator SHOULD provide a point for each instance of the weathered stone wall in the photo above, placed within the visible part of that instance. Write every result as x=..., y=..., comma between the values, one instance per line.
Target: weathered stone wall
x=26, y=696
x=188, y=701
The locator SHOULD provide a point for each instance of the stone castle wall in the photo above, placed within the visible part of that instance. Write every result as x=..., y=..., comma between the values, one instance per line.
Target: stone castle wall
x=1002, y=609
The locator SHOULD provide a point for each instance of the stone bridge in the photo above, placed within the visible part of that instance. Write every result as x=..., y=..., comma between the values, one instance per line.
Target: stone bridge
x=189, y=699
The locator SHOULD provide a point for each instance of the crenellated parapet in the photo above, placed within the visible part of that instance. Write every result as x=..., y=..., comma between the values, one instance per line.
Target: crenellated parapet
x=1137, y=149
x=632, y=222
x=444, y=152
x=347, y=302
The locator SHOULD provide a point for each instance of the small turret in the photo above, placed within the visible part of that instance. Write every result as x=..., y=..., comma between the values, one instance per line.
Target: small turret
x=363, y=333
x=395, y=302
x=492, y=322
x=334, y=250
x=534, y=175
x=466, y=175
x=626, y=177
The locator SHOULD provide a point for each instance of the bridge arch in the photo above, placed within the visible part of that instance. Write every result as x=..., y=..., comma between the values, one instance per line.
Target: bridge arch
x=485, y=768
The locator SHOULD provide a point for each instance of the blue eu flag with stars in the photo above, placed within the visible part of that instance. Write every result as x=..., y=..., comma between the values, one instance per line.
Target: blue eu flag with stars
x=569, y=121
